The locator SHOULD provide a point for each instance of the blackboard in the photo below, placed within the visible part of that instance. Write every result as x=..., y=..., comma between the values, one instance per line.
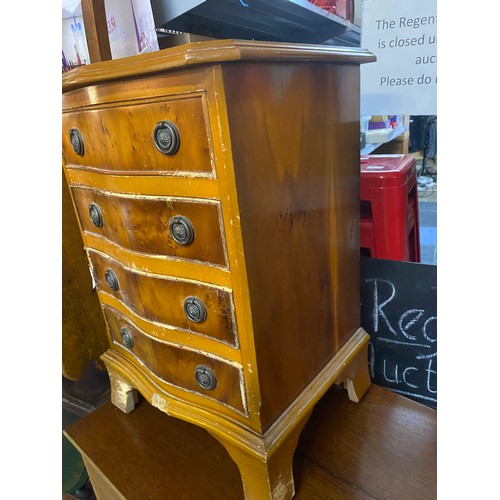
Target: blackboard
x=399, y=312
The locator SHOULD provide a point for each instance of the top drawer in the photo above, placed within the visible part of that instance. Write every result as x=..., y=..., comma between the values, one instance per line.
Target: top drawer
x=128, y=138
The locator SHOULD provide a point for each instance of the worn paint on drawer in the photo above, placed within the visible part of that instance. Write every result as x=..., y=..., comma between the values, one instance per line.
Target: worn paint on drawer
x=176, y=364
x=119, y=138
x=160, y=299
x=141, y=224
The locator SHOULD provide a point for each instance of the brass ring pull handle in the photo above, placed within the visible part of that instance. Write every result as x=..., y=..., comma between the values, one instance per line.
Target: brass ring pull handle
x=195, y=309
x=76, y=140
x=181, y=230
x=127, y=337
x=95, y=214
x=205, y=378
x=166, y=138
x=111, y=280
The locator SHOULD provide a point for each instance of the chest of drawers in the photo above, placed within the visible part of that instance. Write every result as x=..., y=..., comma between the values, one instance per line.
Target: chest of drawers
x=217, y=190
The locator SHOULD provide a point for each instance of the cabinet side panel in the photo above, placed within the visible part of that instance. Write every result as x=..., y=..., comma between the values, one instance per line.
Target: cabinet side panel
x=295, y=143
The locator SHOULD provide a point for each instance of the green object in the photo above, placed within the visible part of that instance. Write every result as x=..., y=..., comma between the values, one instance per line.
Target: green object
x=74, y=474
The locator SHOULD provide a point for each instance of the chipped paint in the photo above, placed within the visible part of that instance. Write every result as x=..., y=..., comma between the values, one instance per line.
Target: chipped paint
x=159, y=402
x=160, y=276
x=223, y=235
x=166, y=173
x=167, y=199
x=94, y=241
x=243, y=413
x=208, y=130
x=184, y=347
x=281, y=488
x=243, y=391
x=165, y=329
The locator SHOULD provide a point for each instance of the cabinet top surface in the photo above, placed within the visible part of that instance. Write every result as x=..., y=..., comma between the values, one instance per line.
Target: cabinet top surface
x=213, y=51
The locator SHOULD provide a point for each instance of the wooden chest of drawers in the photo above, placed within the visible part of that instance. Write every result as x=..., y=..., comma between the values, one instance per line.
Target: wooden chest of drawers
x=217, y=189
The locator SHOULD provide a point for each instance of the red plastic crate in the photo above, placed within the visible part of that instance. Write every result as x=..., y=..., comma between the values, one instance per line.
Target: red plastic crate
x=389, y=220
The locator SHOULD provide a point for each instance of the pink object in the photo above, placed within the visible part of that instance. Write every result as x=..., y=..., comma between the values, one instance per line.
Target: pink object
x=342, y=8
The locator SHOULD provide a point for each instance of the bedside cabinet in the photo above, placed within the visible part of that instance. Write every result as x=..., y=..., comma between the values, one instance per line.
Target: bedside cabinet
x=216, y=186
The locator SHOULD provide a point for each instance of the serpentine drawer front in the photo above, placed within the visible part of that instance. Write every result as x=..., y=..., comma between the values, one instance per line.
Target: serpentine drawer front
x=165, y=226
x=195, y=307
x=217, y=189
x=167, y=136
x=205, y=375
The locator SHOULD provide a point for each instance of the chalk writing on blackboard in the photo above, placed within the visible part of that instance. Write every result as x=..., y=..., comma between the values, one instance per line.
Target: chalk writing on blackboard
x=399, y=313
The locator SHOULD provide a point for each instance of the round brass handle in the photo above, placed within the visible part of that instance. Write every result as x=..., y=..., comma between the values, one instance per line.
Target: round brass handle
x=205, y=378
x=127, y=337
x=195, y=309
x=166, y=138
x=181, y=230
x=111, y=280
x=76, y=140
x=95, y=214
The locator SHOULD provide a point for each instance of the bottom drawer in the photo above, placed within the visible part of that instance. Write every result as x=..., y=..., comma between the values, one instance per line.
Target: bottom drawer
x=179, y=366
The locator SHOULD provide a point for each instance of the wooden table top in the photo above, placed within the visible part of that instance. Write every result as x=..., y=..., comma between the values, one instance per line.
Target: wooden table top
x=381, y=448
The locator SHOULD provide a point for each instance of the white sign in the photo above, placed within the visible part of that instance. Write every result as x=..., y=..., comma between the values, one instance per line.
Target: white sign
x=74, y=43
x=131, y=28
x=402, y=34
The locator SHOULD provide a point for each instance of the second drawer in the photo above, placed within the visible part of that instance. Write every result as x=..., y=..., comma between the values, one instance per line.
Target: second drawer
x=173, y=227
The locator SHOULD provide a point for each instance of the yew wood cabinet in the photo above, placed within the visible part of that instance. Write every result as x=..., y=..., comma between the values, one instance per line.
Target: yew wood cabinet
x=216, y=186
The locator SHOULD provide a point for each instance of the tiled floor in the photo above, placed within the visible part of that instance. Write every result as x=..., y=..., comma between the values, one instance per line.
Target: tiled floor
x=427, y=201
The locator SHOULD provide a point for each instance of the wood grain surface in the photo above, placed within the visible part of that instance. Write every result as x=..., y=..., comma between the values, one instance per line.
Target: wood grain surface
x=274, y=129
x=385, y=445
x=383, y=448
x=120, y=139
x=213, y=51
x=174, y=364
x=295, y=141
x=84, y=335
x=161, y=299
x=141, y=224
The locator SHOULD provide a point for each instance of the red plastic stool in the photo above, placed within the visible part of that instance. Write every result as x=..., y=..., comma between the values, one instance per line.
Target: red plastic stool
x=389, y=221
